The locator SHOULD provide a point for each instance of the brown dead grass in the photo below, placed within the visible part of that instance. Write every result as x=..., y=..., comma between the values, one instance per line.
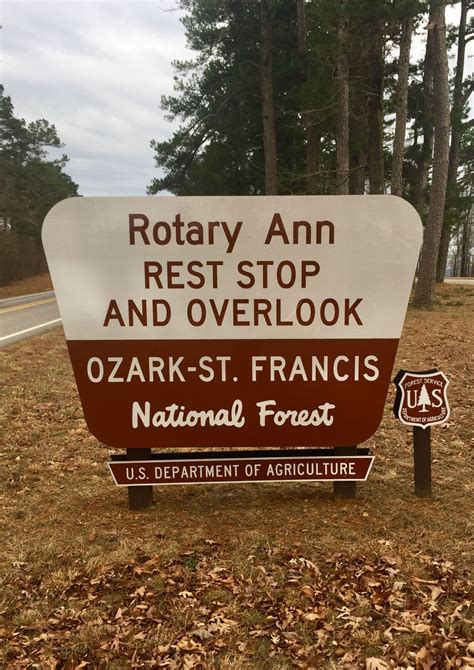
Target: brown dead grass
x=36, y=284
x=236, y=576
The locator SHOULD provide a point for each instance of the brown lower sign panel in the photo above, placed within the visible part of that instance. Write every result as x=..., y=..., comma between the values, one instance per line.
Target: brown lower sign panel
x=241, y=470
x=232, y=393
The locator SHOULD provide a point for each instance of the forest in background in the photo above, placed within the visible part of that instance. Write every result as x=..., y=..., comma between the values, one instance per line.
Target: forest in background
x=30, y=184
x=292, y=97
x=323, y=97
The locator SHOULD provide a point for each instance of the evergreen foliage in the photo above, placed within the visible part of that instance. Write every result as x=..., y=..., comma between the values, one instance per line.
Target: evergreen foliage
x=218, y=147
x=30, y=184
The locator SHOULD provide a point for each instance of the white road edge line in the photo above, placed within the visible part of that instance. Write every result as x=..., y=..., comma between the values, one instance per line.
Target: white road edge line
x=28, y=330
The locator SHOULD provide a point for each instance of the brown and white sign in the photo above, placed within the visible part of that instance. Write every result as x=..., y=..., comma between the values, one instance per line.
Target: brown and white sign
x=232, y=321
x=421, y=398
x=241, y=470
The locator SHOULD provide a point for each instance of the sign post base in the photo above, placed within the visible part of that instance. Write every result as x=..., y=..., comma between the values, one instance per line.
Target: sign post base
x=139, y=497
x=422, y=461
x=345, y=489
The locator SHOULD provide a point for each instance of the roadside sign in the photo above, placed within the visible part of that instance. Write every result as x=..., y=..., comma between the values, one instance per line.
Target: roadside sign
x=232, y=321
x=421, y=402
x=241, y=470
x=421, y=398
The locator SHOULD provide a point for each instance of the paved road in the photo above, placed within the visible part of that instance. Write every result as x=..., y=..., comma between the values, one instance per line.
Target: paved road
x=30, y=315
x=27, y=316
x=464, y=281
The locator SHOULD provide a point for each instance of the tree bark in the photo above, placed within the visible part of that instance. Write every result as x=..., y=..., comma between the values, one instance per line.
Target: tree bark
x=427, y=274
x=457, y=254
x=358, y=177
x=358, y=106
x=268, y=108
x=312, y=136
x=424, y=161
x=466, y=247
x=443, y=254
x=456, y=131
x=313, y=156
x=342, y=88
x=301, y=27
x=375, y=134
x=401, y=97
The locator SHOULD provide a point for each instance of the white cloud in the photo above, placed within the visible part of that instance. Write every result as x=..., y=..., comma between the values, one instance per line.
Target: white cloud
x=97, y=70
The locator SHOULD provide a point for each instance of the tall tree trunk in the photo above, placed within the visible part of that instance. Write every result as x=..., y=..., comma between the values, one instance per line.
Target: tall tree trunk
x=312, y=136
x=358, y=106
x=268, y=108
x=358, y=177
x=424, y=161
x=358, y=153
x=342, y=88
x=313, y=157
x=375, y=138
x=427, y=275
x=457, y=254
x=301, y=27
x=466, y=247
x=401, y=97
x=456, y=130
x=466, y=263
x=443, y=254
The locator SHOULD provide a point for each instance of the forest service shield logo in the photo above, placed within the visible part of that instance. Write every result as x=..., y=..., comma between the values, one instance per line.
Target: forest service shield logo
x=421, y=398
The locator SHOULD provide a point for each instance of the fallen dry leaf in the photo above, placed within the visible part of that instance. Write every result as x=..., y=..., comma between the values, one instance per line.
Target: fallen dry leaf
x=424, y=660
x=376, y=664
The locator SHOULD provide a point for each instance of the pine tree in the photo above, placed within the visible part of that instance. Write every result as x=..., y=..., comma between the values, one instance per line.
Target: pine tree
x=424, y=399
x=460, y=97
x=401, y=106
x=30, y=184
x=268, y=106
x=222, y=141
x=298, y=97
x=342, y=87
x=376, y=114
x=427, y=271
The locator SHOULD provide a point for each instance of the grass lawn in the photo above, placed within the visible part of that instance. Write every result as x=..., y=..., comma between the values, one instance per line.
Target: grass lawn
x=234, y=576
x=36, y=284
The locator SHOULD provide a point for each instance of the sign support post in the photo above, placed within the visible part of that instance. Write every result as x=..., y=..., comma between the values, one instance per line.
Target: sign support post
x=422, y=461
x=345, y=490
x=139, y=497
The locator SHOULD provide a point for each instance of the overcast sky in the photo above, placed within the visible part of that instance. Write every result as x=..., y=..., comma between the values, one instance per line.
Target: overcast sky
x=97, y=70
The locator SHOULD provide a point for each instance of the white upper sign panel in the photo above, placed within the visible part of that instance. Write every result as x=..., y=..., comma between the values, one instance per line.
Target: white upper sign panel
x=182, y=268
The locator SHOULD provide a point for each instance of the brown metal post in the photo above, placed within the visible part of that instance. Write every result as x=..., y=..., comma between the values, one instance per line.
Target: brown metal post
x=344, y=490
x=139, y=497
x=422, y=461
